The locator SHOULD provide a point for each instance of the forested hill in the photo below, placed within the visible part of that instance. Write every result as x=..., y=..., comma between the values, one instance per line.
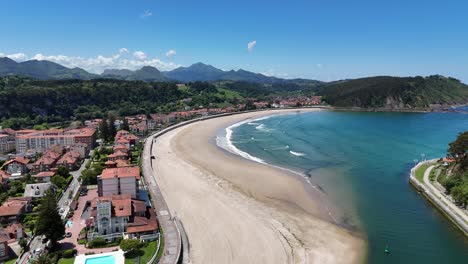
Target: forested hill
x=396, y=92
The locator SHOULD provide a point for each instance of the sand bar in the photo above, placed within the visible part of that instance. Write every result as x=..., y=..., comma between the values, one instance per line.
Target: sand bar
x=238, y=211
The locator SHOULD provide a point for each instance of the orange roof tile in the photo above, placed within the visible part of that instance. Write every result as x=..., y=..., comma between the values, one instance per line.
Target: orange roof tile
x=122, y=172
x=45, y=174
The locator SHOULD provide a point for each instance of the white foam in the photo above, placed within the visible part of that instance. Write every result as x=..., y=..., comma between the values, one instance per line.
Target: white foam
x=299, y=154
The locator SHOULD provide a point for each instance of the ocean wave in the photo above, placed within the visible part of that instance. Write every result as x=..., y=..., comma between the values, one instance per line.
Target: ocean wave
x=299, y=154
x=263, y=128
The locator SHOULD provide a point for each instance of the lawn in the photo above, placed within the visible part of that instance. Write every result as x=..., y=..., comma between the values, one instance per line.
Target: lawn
x=11, y=261
x=148, y=252
x=420, y=172
x=66, y=261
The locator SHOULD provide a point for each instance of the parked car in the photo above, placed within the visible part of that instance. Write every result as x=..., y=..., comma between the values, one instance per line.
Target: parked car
x=68, y=234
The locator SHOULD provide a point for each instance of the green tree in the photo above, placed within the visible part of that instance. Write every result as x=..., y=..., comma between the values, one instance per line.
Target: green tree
x=104, y=130
x=49, y=223
x=112, y=130
x=63, y=171
x=125, y=125
x=459, y=146
x=130, y=244
x=59, y=181
x=23, y=244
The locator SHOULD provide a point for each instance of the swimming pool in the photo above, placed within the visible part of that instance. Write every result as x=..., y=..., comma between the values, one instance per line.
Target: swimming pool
x=110, y=259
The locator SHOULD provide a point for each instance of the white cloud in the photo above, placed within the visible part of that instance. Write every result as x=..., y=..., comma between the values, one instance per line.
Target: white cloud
x=140, y=55
x=16, y=56
x=319, y=65
x=171, y=53
x=146, y=14
x=273, y=73
x=251, y=45
x=123, y=50
x=100, y=63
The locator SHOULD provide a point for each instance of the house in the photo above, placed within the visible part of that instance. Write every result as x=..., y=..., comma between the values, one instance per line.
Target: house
x=118, y=155
x=110, y=164
x=140, y=129
x=122, y=148
x=47, y=161
x=124, y=137
x=115, y=181
x=116, y=214
x=94, y=123
x=38, y=190
x=17, y=166
x=12, y=209
x=4, y=250
x=14, y=231
x=69, y=160
x=45, y=176
x=122, y=163
x=82, y=148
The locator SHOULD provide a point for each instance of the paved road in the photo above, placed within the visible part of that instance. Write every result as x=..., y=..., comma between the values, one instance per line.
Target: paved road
x=436, y=192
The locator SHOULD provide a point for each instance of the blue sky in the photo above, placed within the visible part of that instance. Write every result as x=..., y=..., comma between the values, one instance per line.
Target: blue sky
x=321, y=39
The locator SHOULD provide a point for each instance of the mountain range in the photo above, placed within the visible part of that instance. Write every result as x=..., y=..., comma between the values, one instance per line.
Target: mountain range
x=197, y=72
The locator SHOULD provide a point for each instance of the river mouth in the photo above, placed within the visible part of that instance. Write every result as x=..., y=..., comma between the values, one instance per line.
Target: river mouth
x=361, y=163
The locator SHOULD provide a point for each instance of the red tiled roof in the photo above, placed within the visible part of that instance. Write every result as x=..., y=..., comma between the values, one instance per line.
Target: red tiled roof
x=45, y=174
x=122, y=163
x=67, y=159
x=120, y=147
x=13, y=206
x=143, y=224
x=8, y=131
x=17, y=159
x=122, y=205
x=139, y=206
x=122, y=172
x=45, y=161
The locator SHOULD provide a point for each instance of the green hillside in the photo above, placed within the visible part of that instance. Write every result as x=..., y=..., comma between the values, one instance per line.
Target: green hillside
x=396, y=92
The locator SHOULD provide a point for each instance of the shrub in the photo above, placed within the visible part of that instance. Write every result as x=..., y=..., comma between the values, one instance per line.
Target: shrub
x=97, y=242
x=69, y=253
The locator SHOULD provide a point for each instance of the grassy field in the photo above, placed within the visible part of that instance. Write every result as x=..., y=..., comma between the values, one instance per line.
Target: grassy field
x=66, y=261
x=11, y=261
x=420, y=172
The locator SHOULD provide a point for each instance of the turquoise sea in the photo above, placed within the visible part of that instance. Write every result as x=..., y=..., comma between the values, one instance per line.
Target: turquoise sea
x=361, y=161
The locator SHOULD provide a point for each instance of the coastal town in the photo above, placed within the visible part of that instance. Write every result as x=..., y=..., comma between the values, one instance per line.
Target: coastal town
x=93, y=173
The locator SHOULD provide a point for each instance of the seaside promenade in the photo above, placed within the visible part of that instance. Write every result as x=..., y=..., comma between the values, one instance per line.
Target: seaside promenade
x=438, y=198
x=172, y=238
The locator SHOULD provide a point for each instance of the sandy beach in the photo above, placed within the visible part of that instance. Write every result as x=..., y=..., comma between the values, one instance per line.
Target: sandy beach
x=239, y=211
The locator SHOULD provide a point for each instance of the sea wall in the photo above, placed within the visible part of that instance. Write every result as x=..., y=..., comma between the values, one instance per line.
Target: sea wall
x=436, y=201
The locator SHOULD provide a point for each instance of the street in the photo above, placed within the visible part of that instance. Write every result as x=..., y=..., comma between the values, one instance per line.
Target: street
x=63, y=203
